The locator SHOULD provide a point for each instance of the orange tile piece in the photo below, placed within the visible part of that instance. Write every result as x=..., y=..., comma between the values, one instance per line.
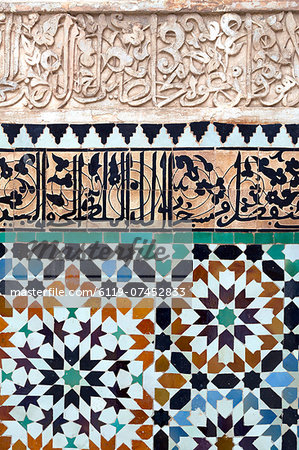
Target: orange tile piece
x=270, y=289
x=177, y=327
x=147, y=358
x=214, y=366
x=19, y=446
x=172, y=380
x=140, y=417
x=200, y=273
x=276, y=304
x=253, y=274
x=238, y=267
x=140, y=341
x=252, y=358
x=162, y=364
x=139, y=445
x=183, y=343
x=237, y=365
x=107, y=445
x=146, y=402
x=269, y=342
x=146, y=326
x=145, y=432
x=3, y=324
x=124, y=305
x=5, y=442
x=35, y=309
x=199, y=360
x=276, y=327
x=35, y=444
x=109, y=311
x=72, y=277
x=4, y=340
x=225, y=443
x=161, y=396
x=143, y=308
x=3, y=428
x=215, y=267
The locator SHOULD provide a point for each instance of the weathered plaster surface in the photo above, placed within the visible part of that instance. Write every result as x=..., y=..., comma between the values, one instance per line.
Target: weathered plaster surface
x=81, y=62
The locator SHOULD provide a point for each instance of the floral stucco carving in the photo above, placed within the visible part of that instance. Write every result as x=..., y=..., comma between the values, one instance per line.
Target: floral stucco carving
x=68, y=61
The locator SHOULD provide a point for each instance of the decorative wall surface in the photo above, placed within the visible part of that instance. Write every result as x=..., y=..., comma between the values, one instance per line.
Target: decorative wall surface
x=199, y=175
x=149, y=240
x=189, y=60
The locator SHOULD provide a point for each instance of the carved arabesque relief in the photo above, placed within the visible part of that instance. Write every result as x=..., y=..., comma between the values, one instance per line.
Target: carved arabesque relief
x=67, y=61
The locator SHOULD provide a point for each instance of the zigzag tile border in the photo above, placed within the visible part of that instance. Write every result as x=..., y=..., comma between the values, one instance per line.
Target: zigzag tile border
x=133, y=135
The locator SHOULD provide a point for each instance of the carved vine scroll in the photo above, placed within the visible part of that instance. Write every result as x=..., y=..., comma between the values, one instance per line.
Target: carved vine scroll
x=188, y=60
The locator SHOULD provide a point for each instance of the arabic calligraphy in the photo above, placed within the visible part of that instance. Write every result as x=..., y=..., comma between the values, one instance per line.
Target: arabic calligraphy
x=201, y=189
x=189, y=60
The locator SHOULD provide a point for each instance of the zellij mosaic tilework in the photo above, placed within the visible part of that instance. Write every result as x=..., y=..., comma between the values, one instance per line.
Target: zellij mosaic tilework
x=149, y=285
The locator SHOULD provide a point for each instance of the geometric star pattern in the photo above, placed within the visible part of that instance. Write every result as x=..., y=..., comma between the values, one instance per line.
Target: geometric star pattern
x=210, y=364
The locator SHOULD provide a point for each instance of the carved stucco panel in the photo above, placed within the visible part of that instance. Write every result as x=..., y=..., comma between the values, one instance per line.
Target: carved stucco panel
x=73, y=61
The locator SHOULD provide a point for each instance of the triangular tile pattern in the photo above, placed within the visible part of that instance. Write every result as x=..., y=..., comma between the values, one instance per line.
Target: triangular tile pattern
x=214, y=364
x=154, y=135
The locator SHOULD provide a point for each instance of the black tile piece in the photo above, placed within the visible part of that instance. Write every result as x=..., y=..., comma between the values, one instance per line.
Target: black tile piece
x=127, y=130
x=247, y=131
x=224, y=130
x=180, y=362
x=34, y=131
x=199, y=381
x=104, y=130
x=163, y=316
x=80, y=131
x=161, y=417
x=270, y=398
x=271, y=360
x=175, y=130
x=271, y=131
x=58, y=130
x=151, y=131
x=11, y=130
x=163, y=342
x=180, y=399
x=230, y=252
x=273, y=270
x=254, y=252
x=199, y=129
x=293, y=130
x=252, y=380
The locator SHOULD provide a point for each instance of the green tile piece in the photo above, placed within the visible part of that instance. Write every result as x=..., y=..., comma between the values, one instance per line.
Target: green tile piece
x=25, y=236
x=183, y=237
x=292, y=267
x=163, y=238
x=283, y=238
x=223, y=238
x=111, y=237
x=49, y=237
x=263, y=238
x=81, y=237
x=7, y=237
x=276, y=252
x=296, y=238
x=180, y=251
x=202, y=237
x=163, y=267
x=139, y=238
x=244, y=238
